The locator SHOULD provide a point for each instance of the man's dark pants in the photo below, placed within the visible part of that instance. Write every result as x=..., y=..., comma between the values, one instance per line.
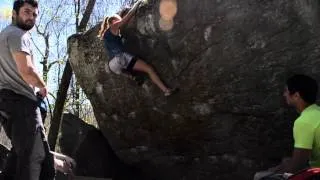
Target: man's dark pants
x=19, y=116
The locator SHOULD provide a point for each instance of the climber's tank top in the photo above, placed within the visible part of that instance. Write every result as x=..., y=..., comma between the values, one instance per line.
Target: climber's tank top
x=113, y=44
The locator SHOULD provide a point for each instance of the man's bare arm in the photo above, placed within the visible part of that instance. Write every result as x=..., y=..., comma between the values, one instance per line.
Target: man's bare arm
x=27, y=70
x=299, y=161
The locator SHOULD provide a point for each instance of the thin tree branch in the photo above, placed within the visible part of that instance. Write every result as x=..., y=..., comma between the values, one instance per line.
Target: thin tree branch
x=36, y=46
x=53, y=17
x=38, y=30
x=52, y=95
x=40, y=19
x=52, y=63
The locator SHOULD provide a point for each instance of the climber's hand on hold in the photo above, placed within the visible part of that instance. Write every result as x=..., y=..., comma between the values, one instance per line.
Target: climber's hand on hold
x=128, y=16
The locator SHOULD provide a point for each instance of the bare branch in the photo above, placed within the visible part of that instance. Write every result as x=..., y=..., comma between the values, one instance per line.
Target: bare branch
x=52, y=95
x=36, y=46
x=53, y=17
x=52, y=63
x=40, y=19
x=38, y=30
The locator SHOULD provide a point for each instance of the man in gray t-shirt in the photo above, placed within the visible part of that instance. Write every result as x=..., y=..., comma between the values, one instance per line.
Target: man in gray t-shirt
x=14, y=40
x=19, y=113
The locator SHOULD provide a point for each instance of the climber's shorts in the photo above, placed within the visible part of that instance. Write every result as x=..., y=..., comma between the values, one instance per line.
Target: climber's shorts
x=123, y=61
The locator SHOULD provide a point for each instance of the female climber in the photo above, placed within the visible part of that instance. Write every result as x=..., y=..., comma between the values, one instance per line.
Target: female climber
x=121, y=61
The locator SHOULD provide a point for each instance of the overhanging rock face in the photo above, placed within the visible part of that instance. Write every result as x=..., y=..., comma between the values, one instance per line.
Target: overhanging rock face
x=230, y=59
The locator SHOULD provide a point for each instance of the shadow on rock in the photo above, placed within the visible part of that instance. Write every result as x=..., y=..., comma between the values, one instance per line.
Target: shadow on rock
x=96, y=158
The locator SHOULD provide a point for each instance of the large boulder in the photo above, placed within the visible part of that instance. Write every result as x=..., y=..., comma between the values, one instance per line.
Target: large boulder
x=230, y=59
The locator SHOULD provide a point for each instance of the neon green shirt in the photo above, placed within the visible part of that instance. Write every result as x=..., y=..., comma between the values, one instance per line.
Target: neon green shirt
x=306, y=133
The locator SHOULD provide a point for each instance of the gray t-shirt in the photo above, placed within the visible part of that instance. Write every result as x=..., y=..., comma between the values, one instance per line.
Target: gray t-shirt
x=14, y=39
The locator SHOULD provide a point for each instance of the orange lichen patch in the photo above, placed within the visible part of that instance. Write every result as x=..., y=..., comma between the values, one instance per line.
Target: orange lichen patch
x=168, y=9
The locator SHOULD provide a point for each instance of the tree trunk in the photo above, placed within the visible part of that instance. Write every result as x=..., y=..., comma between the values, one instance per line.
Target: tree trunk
x=65, y=83
x=77, y=98
x=45, y=68
x=59, y=106
x=86, y=16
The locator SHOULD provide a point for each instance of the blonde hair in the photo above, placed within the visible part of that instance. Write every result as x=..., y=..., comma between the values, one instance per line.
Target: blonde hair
x=106, y=24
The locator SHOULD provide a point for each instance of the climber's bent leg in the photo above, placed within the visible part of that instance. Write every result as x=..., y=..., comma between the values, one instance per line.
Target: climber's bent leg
x=121, y=63
x=144, y=67
x=128, y=63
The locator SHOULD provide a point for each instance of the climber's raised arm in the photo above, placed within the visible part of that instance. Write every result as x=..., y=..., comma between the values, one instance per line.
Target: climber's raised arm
x=128, y=16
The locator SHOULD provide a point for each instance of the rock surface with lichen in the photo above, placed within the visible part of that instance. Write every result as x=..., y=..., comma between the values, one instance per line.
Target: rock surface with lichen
x=230, y=59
